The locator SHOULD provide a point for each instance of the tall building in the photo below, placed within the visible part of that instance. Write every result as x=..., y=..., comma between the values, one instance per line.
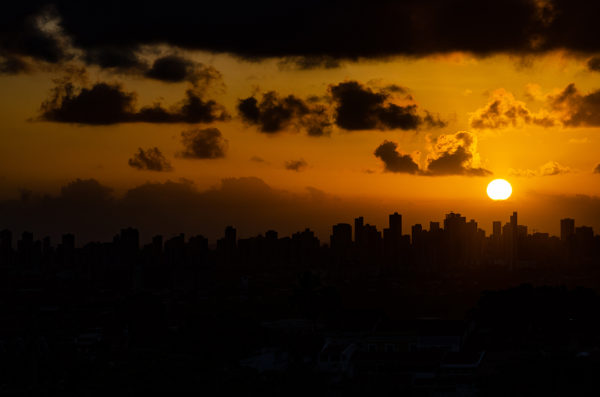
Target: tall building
x=567, y=229
x=68, y=242
x=228, y=244
x=497, y=229
x=230, y=235
x=511, y=238
x=341, y=240
x=396, y=223
x=392, y=238
x=416, y=231
x=358, y=230
x=455, y=238
x=5, y=247
x=271, y=235
x=513, y=220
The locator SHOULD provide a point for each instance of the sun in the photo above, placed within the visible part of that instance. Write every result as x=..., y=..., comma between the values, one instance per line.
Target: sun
x=499, y=189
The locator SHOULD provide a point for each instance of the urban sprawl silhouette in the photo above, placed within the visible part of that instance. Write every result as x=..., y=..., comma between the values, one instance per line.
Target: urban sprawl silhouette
x=445, y=310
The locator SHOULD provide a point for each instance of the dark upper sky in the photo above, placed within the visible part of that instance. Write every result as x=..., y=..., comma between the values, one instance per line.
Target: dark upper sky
x=108, y=31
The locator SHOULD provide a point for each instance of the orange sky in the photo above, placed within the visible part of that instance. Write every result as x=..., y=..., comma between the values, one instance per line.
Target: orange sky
x=43, y=156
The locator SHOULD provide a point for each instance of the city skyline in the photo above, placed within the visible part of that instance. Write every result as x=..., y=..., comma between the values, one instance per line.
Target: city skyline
x=395, y=227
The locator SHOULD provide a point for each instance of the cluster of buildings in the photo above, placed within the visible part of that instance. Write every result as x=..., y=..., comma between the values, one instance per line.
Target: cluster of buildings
x=457, y=243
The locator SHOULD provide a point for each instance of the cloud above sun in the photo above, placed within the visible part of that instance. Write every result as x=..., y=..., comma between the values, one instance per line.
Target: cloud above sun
x=449, y=154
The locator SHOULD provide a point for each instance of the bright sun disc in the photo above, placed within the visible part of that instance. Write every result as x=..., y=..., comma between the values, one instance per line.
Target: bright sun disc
x=499, y=189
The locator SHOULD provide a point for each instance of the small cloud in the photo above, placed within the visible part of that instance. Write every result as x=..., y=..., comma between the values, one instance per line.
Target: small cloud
x=12, y=65
x=203, y=144
x=576, y=109
x=455, y=154
x=449, y=154
x=257, y=159
x=308, y=63
x=176, y=69
x=597, y=169
x=593, y=64
x=395, y=161
x=503, y=111
x=578, y=141
x=296, y=165
x=551, y=168
x=358, y=107
x=151, y=160
x=108, y=103
x=274, y=114
x=533, y=92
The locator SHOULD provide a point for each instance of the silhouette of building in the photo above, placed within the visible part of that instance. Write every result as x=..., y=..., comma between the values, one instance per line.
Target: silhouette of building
x=497, y=230
x=567, y=229
x=5, y=247
x=358, y=230
x=393, y=246
x=341, y=242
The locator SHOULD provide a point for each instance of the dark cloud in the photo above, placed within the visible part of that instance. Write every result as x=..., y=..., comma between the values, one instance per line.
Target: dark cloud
x=434, y=121
x=85, y=190
x=451, y=154
x=205, y=143
x=13, y=65
x=396, y=88
x=257, y=159
x=597, y=169
x=310, y=30
x=176, y=69
x=503, y=110
x=309, y=63
x=577, y=109
x=171, y=68
x=106, y=103
x=150, y=159
x=296, y=165
x=568, y=108
x=103, y=103
x=594, y=64
x=274, y=114
x=455, y=163
x=122, y=59
x=353, y=106
x=358, y=107
x=31, y=30
x=393, y=160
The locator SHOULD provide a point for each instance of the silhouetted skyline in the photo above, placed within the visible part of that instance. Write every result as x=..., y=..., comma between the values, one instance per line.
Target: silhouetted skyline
x=457, y=243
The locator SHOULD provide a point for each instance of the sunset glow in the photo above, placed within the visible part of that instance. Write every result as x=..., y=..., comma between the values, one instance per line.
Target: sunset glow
x=499, y=189
x=413, y=119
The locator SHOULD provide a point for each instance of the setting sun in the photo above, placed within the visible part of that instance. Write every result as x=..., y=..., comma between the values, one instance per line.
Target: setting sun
x=499, y=189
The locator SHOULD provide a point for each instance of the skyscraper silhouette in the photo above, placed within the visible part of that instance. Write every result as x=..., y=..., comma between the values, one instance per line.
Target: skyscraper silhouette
x=567, y=229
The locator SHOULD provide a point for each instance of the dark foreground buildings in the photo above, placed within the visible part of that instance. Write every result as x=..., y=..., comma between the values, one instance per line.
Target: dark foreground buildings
x=403, y=310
